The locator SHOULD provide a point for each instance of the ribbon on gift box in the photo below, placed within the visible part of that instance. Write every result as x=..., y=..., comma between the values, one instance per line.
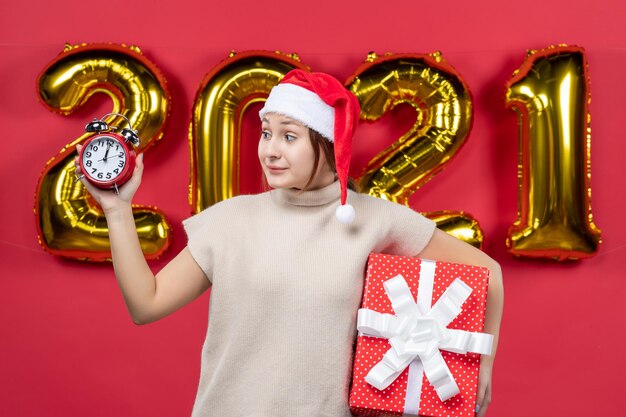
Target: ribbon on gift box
x=417, y=333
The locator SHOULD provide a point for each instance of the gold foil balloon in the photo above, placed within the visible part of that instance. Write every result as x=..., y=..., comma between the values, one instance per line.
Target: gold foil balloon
x=443, y=105
x=460, y=225
x=222, y=98
x=69, y=223
x=550, y=93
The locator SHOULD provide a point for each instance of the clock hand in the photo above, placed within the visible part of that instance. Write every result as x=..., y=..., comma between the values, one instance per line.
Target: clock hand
x=107, y=152
x=112, y=156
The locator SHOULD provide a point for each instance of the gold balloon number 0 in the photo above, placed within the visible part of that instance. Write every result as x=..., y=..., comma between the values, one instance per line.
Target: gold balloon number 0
x=69, y=223
x=215, y=132
x=550, y=93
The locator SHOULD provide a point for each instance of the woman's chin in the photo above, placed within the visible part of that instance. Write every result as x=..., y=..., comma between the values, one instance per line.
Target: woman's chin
x=280, y=183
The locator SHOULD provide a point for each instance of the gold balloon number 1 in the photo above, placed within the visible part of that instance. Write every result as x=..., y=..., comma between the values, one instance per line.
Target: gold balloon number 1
x=550, y=92
x=70, y=224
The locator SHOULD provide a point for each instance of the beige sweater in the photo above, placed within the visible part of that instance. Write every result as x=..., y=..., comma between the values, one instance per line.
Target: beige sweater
x=287, y=281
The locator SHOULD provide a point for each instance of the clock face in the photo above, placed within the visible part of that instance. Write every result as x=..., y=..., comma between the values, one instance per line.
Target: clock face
x=104, y=159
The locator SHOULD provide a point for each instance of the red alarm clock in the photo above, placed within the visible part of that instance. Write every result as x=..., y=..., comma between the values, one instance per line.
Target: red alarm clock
x=107, y=159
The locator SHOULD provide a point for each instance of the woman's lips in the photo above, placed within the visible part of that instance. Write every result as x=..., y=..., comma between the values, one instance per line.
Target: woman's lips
x=276, y=170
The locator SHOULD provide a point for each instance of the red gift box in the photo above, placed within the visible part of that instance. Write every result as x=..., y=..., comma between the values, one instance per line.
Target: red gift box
x=424, y=283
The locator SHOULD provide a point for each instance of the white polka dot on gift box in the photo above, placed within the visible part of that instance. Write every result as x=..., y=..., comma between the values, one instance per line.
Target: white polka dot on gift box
x=366, y=400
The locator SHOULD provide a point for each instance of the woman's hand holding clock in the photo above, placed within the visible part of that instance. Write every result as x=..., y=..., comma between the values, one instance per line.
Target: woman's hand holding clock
x=108, y=199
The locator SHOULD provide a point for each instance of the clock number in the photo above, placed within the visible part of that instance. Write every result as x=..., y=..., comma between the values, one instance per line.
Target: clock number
x=116, y=170
x=93, y=170
x=88, y=163
x=99, y=175
x=108, y=175
x=88, y=154
x=121, y=164
x=69, y=223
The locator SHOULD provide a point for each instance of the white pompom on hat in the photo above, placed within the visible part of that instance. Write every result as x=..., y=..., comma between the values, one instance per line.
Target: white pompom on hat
x=322, y=103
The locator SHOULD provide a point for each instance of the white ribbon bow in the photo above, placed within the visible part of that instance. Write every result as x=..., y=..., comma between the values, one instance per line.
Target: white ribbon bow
x=418, y=332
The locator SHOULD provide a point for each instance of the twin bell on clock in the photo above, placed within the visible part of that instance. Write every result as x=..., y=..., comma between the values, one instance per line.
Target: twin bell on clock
x=107, y=159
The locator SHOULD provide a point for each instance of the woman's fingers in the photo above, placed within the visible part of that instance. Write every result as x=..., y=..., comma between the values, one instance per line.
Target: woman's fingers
x=139, y=165
x=78, y=148
x=483, y=400
x=128, y=190
x=108, y=198
x=81, y=177
x=78, y=172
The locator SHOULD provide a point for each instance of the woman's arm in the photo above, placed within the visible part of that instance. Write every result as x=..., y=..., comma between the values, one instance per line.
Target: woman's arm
x=443, y=247
x=148, y=298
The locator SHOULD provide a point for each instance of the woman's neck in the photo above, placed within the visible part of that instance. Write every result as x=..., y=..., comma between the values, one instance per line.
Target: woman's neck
x=321, y=180
x=311, y=197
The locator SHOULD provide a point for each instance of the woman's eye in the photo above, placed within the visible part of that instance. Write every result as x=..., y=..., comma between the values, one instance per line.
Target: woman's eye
x=290, y=138
x=265, y=135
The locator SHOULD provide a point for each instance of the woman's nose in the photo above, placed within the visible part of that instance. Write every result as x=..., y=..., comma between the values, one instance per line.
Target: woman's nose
x=272, y=148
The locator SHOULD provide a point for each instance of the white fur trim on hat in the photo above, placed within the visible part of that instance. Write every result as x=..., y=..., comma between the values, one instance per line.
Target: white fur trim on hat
x=302, y=105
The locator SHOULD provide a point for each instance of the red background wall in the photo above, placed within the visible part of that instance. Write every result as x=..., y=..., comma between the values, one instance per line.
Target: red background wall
x=67, y=344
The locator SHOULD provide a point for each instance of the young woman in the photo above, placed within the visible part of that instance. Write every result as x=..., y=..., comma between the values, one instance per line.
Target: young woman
x=286, y=266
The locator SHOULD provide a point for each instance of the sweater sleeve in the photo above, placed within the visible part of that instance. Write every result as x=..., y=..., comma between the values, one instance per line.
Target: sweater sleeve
x=201, y=239
x=409, y=231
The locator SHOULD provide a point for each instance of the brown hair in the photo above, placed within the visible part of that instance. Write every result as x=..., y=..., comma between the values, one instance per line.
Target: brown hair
x=320, y=142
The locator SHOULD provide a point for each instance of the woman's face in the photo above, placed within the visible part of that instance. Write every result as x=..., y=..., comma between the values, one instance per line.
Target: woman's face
x=286, y=154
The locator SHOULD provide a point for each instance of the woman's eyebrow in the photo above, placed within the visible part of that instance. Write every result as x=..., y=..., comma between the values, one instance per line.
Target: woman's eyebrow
x=290, y=122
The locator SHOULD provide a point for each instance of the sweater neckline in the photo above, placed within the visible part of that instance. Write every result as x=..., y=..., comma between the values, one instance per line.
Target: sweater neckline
x=317, y=197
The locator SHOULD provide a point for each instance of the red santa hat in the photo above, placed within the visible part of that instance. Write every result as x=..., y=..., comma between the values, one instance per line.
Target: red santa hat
x=322, y=103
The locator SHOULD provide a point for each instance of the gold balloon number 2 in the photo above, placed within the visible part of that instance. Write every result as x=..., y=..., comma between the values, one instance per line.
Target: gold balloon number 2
x=443, y=105
x=70, y=224
x=553, y=221
x=550, y=92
